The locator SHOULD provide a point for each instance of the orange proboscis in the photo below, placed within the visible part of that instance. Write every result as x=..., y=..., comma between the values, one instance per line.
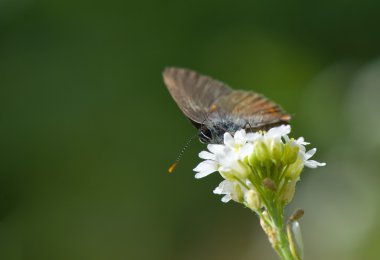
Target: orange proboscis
x=172, y=167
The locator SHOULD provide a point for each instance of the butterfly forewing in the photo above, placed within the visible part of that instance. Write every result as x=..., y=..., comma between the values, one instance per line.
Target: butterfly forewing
x=193, y=92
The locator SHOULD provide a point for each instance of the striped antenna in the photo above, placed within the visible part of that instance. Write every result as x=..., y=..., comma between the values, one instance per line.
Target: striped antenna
x=174, y=165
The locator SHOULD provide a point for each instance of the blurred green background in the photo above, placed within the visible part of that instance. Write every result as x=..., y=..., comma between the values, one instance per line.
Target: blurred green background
x=88, y=129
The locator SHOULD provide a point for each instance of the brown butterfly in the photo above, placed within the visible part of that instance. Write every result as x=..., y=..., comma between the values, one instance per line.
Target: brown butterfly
x=214, y=108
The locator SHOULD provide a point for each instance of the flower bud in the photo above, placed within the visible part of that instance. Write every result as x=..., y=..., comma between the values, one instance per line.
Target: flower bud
x=239, y=170
x=290, y=153
x=294, y=170
x=242, y=170
x=260, y=153
x=276, y=149
x=253, y=200
x=288, y=191
x=227, y=174
x=239, y=194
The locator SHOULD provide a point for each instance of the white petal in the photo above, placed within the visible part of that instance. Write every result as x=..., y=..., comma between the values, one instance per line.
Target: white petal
x=302, y=149
x=313, y=164
x=226, y=198
x=240, y=136
x=252, y=137
x=310, y=153
x=205, y=165
x=200, y=175
x=224, y=169
x=227, y=158
x=246, y=150
x=228, y=140
x=206, y=155
x=215, y=148
x=301, y=141
x=224, y=187
x=279, y=131
x=218, y=190
x=205, y=168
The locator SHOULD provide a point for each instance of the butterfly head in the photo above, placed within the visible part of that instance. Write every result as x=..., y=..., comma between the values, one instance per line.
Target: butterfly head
x=205, y=135
x=213, y=131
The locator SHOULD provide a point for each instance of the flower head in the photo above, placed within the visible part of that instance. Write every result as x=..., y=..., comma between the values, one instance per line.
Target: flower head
x=257, y=163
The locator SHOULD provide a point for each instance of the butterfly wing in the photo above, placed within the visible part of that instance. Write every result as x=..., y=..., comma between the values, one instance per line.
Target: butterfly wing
x=251, y=110
x=194, y=93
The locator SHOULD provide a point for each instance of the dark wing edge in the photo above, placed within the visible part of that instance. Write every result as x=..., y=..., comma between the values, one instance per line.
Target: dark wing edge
x=194, y=93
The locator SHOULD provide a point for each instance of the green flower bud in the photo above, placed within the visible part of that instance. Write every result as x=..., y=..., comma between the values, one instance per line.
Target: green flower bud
x=294, y=170
x=276, y=149
x=260, y=153
x=239, y=193
x=288, y=191
x=253, y=200
x=241, y=171
x=290, y=153
x=227, y=175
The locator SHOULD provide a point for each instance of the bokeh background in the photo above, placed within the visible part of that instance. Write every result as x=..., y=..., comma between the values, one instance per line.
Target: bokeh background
x=88, y=129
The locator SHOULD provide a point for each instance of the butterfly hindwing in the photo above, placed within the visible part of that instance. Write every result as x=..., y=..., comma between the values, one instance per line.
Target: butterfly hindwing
x=252, y=109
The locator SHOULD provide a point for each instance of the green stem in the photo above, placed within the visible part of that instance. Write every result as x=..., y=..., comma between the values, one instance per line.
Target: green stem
x=276, y=232
x=283, y=246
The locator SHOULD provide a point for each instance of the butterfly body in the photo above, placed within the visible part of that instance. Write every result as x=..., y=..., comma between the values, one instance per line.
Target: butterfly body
x=214, y=108
x=215, y=128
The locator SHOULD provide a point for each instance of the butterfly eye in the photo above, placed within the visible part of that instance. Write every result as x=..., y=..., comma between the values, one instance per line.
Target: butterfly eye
x=205, y=135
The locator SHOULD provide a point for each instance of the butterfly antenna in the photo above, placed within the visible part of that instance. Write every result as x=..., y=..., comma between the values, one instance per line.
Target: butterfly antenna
x=174, y=165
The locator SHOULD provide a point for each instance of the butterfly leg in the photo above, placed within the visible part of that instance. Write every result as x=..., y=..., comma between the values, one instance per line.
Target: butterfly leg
x=249, y=126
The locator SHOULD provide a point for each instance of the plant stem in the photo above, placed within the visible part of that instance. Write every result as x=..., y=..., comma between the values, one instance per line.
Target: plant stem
x=276, y=231
x=282, y=247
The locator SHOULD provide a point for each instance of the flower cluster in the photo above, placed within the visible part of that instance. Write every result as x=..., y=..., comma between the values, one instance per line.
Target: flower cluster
x=257, y=166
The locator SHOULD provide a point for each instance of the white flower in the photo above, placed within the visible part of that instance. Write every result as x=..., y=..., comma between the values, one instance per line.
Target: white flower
x=311, y=163
x=232, y=190
x=249, y=158
x=277, y=132
x=225, y=158
x=206, y=168
x=300, y=143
